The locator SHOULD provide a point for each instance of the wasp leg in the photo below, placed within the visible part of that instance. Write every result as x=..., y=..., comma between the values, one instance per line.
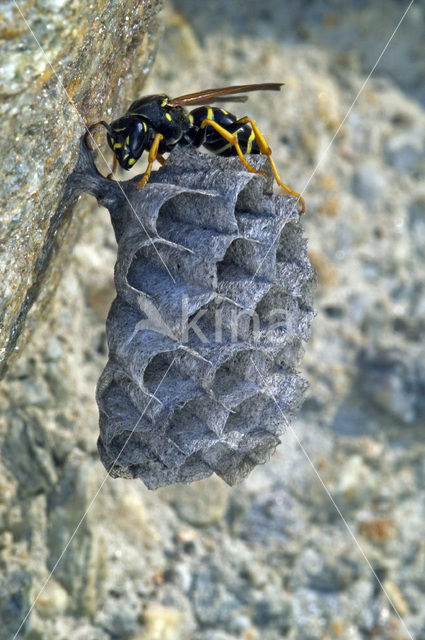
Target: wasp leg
x=232, y=139
x=153, y=153
x=265, y=149
x=160, y=159
x=114, y=168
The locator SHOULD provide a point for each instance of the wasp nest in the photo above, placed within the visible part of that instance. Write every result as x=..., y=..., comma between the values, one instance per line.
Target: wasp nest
x=214, y=298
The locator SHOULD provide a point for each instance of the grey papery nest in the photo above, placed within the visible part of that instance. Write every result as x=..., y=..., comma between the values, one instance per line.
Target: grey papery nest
x=214, y=298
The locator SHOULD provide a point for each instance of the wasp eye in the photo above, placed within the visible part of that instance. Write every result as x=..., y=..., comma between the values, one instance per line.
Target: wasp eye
x=137, y=138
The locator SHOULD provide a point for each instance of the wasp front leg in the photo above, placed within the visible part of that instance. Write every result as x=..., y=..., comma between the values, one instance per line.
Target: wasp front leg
x=153, y=155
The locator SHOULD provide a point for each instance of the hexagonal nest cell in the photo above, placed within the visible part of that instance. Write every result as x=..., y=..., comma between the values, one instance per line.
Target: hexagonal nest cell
x=214, y=300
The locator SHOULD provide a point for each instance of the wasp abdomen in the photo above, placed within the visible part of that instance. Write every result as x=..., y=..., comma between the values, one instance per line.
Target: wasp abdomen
x=214, y=141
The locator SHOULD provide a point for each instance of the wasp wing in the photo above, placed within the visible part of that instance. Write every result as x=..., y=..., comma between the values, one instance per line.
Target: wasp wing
x=218, y=95
x=228, y=99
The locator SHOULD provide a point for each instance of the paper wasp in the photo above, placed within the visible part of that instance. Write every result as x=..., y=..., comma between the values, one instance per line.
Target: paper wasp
x=158, y=123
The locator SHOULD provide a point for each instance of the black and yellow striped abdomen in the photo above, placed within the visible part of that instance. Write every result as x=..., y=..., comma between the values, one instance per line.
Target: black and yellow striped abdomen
x=214, y=141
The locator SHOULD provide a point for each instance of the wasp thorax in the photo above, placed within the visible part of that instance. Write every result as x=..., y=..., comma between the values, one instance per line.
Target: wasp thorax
x=128, y=138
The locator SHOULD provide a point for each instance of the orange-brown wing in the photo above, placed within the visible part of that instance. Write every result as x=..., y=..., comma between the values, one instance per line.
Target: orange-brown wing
x=228, y=99
x=213, y=95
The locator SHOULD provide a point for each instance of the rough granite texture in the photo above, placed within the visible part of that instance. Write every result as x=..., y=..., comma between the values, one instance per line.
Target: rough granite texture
x=214, y=298
x=270, y=558
x=79, y=63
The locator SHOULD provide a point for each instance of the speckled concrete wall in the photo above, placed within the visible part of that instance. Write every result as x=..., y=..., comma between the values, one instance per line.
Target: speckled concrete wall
x=270, y=558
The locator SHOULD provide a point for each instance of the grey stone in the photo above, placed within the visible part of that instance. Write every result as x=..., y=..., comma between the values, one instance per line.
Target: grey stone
x=201, y=503
x=394, y=381
x=213, y=603
x=27, y=451
x=368, y=184
x=324, y=573
x=82, y=569
x=274, y=611
x=210, y=634
x=94, y=56
x=52, y=601
x=416, y=221
x=375, y=278
x=404, y=151
x=14, y=601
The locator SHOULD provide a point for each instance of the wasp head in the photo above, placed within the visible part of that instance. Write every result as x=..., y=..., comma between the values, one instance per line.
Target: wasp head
x=128, y=137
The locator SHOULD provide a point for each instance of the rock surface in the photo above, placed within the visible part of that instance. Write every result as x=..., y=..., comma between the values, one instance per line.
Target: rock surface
x=279, y=562
x=64, y=65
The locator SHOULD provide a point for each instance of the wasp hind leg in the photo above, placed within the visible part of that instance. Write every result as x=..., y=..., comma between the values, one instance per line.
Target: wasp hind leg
x=153, y=155
x=265, y=150
x=231, y=139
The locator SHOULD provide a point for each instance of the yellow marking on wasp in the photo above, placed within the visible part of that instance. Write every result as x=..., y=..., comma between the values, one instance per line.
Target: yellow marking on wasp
x=224, y=111
x=117, y=145
x=168, y=116
x=164, y=102
x=190, y=118
x=117, y=130
x=144, y=125
x=131, y=161
x=226, y=146
x=127, y=140
x=210, y=113
x=250, y=141
x=126, y=156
